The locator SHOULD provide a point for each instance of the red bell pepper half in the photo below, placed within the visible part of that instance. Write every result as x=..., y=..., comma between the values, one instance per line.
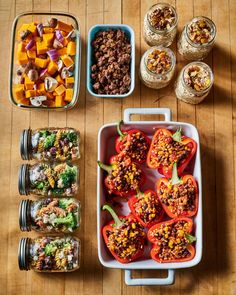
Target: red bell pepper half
x=179, y=196
x=168, y=148
x=124, y=176
x=134, y=143
x=172, y=240
x=124, y=237
x=146, y=207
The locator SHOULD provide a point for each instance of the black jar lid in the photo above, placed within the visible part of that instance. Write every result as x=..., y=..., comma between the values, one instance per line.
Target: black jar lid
x=23, y=254
x=25, y=144
x=23, y=179
x=24, y=215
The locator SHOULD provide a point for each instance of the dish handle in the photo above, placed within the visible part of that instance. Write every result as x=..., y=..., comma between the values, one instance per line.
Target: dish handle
x=169, y=280
x=146, y=111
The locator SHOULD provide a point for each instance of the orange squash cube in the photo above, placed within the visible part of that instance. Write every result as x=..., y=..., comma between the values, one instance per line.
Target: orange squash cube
x=21, y=47
x=67, y=60
x=41, y=47
x=60, y=90
x=22, y=28
x=31, y=54
x=19, y=92
x=70, y=80
x=22, y=58
x=41, y=62
x=59, y=101
x=63, y=27
x=59, y=79
x=50, y=95
x=52, y=68
x=47, y=38
x=48, y=30
x=32, y=28
x=71, y=48
x=41, y=89
x=29, y=85
x=30, y=93
x=69, y=94
x=62, y=51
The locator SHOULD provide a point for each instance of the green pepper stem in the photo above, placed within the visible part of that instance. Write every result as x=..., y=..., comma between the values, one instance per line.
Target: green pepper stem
x=175, y=178
x=119, y=130
x=105, y=167
x=190, y=238
x=118, y=222
x=177, y=135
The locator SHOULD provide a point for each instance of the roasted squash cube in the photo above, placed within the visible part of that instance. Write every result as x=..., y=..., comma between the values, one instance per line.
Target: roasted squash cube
x=60, y=90
x=59, y=79
x=67, y=60
x=19, y=92
x=52, y=68
x=41, y=47
x=22, y=58
x=30, y=93
x=41, y=62
x=31, y=54
x=29, y=85
x=47, y=38
x=62, y=51
x=71, y=48
x=64, y=27
x=69, y=94
x=41, y=89
x=59, y=101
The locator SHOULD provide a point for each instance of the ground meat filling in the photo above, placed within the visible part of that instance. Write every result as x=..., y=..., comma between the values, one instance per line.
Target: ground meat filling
x=166, y=151
x=172, y=241
x=148, y=207
x=125, y=176
x=127, y=240
x=180, y=198
x=137, y=147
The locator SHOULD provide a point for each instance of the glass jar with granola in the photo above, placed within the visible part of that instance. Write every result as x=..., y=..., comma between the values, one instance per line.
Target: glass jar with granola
x=160, y=25
x=194, y=82
x=197, y=38
x=53, y=180
x=157, y=67
x=49, y=254
x=50, y=215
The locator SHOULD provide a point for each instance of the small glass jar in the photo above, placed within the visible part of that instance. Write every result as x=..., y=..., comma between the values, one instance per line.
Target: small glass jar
x=160, y=25
x=49, y=180
x=157, y=67
x=49, y=254
x=50, y=215
x=194, y=82
x=50, y=144
x=197, y=38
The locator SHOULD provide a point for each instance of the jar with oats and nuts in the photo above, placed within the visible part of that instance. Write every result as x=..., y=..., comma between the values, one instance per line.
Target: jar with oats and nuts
x=157, y=67
x=160, y=25
x=197, y=38
x=194, y=82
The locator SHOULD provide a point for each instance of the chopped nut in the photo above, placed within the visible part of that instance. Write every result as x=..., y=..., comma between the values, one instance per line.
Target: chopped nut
x=162, y=18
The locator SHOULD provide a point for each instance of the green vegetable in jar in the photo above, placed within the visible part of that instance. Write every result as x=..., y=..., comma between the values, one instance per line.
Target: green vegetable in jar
x=49, y=141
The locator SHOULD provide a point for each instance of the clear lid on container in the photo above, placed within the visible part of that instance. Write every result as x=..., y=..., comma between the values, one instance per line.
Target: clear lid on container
x=23, y=251
x=25, y=144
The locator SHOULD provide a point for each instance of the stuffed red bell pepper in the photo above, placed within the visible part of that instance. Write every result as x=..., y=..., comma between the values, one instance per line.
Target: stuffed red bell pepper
x=172, y=240
x=179, y=196
x=168, y=148
x=134, y=143
x=146, y=207
x=124, y=176
x=124, y=237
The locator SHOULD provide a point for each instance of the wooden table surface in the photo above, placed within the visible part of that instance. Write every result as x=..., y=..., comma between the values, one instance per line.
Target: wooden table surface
x=214, y=118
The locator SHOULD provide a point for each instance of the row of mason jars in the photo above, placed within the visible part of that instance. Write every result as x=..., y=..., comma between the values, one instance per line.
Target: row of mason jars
x=160, y=29
x=56, y=178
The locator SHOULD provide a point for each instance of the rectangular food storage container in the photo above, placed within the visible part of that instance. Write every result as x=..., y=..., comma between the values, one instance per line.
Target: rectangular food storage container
x=106, y=147
x=91, y=35
x=28, y=17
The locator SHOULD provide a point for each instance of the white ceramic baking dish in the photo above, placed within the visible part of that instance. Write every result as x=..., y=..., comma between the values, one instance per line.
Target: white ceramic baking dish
x=106, y=148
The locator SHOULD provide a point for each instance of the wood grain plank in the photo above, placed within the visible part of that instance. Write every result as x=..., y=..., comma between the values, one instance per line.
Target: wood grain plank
x=94, y=119
x=205, y=113
x=224, y=150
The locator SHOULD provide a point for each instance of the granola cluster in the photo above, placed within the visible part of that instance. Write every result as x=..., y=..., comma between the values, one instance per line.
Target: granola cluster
x=159, y=61
x=197, y=77
x=162, y=18
x=112, y=58
x=199, y=32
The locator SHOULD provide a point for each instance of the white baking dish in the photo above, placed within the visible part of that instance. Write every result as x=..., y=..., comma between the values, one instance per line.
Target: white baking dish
x=106, y=148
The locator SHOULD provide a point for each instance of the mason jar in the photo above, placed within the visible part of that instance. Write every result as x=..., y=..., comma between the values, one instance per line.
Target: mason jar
x=194, y=82
x=197, y=38
x=157, y=67
x=160, y=25
x=50, y=144
x=50, y=215
x=49, y=254
x=59, y=179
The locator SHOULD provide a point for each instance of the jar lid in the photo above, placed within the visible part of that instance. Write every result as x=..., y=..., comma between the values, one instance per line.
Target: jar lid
x=23, y=179
x=24, y=215
x=25, y=144
x=23, y=252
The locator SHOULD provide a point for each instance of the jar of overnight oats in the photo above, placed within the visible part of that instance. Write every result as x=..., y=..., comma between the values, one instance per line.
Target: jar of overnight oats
x=157, y=67
x=194, y=82
x=160, y=25
x=197, y=38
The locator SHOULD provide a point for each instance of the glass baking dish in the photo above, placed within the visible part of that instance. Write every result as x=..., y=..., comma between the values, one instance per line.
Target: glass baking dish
x=28, y=17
